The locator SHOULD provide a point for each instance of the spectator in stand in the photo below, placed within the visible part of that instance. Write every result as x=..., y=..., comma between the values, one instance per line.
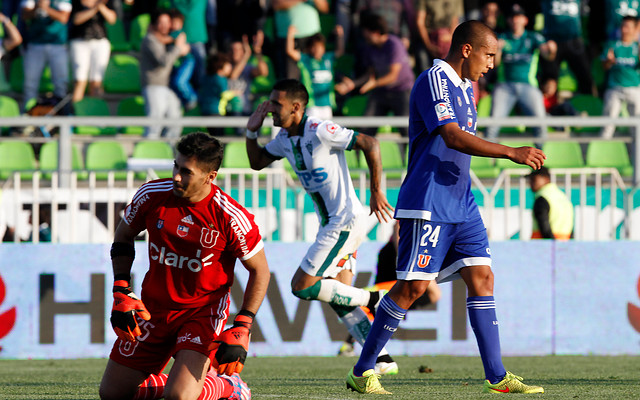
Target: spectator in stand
x=195, y=27
x=90, y=48
x=180, y=80
x=563, y=24
x=12, y=37
x=517, y=63
x=489, y=14
x=316, y=67
x=215, y=95
x=156, y=62
x=46, y=35
x=241, y=18
x=614, y=11
x=389, y=78
x=304, y=16
x=435, y=22
x=620, y=59
x=552, y=103
x=243, y=72
x=396, y=13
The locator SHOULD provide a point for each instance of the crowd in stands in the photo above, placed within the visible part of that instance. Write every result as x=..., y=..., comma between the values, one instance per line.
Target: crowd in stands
x=220, y=57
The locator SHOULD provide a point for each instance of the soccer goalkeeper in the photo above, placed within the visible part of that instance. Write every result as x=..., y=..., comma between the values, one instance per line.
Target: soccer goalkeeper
x=196, y=233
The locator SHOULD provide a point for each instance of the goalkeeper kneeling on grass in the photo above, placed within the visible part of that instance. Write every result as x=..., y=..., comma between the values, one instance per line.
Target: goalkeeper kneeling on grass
x=196, y=233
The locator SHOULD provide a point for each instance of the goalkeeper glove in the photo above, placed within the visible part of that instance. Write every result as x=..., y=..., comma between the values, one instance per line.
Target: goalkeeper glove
x=232, y=345
x=126, y=305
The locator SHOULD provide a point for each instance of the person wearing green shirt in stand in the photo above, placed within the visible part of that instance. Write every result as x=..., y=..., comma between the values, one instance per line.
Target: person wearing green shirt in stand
x=517, y=60
x=563, y=24
x=614, y=11
x=620, y=59
x=316, y=69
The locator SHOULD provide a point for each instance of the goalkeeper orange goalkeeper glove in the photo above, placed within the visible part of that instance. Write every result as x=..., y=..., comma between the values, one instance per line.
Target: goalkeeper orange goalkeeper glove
x=126, y=305
x=232, y=345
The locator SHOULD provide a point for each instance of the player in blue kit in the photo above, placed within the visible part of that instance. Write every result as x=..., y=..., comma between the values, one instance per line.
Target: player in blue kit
x=442, y=236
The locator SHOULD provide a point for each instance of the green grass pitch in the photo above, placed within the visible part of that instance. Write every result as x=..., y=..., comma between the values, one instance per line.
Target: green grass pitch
x=563, y=377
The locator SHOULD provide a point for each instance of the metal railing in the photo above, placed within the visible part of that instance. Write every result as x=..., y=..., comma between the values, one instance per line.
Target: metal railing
x=64, y=189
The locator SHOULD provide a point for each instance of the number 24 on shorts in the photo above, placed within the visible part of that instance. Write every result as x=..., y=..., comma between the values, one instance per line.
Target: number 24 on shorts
x=430, y=235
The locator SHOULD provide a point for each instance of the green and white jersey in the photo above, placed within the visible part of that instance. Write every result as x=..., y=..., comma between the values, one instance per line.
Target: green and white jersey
x=614, y=11
x=562, y=19
x=317, y=157
x=624, y=73
x=520, y=57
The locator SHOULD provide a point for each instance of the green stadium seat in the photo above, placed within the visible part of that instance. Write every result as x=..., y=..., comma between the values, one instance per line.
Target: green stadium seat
x=138, y=30
x=122, y=74
x=117, y=37
x=563, y=155
x=587, y=104
x=153, y=149
x=17, y=156
x=355, y=106
x=92, y=107
x=392, y=159
x=235, y=155
x=503, y=163
x=131, y=107
x=9, y=107
x=484, y=167
x=16, y=77
x=103, y=156
x=609, y=154
x=566, y=80
x=49, y=160
x=345, y=64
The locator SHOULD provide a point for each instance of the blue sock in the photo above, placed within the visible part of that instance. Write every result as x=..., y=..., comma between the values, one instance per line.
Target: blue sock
x=387, y=319
x=482, y=315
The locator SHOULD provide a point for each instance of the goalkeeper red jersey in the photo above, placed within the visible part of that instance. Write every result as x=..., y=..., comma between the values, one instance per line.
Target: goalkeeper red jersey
x=193, y=247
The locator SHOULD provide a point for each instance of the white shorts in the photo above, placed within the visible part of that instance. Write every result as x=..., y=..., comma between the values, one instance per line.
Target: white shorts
x=335, y=249
x=89, y=59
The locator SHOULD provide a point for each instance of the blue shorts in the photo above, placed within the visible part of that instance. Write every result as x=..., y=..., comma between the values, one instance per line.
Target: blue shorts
x=430, y=250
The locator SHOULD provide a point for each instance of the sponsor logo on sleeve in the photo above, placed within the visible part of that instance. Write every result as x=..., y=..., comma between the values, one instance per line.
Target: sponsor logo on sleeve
x=442, y=112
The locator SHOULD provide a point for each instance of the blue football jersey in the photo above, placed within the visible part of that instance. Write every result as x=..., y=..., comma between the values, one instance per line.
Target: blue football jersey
x=437, y=186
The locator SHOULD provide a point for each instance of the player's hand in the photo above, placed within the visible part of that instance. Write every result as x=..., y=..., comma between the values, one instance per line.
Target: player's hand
x=126, y=305
x=528, y=156
x=380, y=206
x=232, y=346
x=257, y=118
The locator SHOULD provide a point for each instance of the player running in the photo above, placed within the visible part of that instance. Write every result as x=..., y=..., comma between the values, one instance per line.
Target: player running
x=315, y=149
x=196, y=233
x=442, y=236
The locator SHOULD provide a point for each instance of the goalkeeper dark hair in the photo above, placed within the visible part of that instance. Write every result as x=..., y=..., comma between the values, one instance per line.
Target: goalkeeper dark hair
x=205, y=148
x=294, y=90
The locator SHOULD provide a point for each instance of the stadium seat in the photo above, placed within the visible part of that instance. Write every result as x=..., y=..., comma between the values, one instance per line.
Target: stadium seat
x=484, y=167
x=153, y=149
x=392, y=159
x=355, y=106
x=103, y=156
x=8, y=108
x=122, y=74
x=16, y=77
x=92, y=107
x=587, y=104
x=566, y=80
x=49, y=160
x=235, y=155
x=345, y=64
x=563, y=155
x=138, y=30
x=484, y=106
x=117, y=37
x=503, y=163
x=194, y=112
x=17, y=156
x=609, y=154
x=131, y=107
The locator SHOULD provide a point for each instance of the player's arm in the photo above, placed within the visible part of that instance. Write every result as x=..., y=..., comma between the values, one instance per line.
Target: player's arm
x=290, y=47
x=378, y=201
x=457, y=139
x=258, y=158
x=12, y=38
x=233, y=343
x=126, y=305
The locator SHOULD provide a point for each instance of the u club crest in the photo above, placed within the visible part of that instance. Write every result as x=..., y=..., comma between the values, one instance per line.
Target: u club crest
x=208, y=237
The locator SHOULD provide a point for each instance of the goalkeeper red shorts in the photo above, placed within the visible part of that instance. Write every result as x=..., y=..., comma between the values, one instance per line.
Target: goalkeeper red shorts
x=168, y=332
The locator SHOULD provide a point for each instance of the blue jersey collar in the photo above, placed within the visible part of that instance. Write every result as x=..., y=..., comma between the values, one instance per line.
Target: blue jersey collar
x=452, y=74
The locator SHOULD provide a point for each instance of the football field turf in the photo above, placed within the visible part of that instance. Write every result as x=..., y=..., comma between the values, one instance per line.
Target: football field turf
x=563, y=377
